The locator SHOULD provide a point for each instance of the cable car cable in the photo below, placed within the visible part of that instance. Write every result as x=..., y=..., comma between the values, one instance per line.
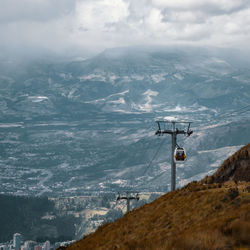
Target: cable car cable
x=156, y=153
x=235, y=111
x=230, y=114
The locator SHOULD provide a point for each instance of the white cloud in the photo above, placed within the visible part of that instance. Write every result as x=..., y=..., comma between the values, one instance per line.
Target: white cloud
x=101, y=13
x=205, y=5
x=61, y=24
x=34, y=10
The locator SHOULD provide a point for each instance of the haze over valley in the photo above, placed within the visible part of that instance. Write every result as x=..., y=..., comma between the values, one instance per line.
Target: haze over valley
x=84, y=125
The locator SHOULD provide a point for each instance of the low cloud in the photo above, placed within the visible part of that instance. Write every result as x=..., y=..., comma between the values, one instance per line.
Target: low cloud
x=38, y=10
x=61, y=24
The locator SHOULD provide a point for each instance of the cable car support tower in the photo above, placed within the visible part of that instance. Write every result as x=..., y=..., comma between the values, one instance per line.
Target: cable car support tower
x=174, y=131
x=128, y=197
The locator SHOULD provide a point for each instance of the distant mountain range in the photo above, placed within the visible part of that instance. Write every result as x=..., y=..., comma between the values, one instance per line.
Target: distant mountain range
x=68, y=127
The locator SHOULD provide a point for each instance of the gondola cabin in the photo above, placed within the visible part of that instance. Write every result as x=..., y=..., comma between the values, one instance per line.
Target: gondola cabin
x=179, y=154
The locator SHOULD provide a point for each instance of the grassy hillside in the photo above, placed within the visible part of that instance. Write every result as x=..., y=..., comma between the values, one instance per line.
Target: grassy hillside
x=201, y=215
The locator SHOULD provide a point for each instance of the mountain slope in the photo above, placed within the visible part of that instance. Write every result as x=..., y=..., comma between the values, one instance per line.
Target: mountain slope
x=234, y=168
x=198, y=216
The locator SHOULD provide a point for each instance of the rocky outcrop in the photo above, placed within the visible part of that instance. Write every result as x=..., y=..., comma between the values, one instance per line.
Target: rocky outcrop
x=236, y=168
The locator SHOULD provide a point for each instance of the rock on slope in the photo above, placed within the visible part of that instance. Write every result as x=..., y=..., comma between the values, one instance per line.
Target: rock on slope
x=202, y=215
x=234, y=168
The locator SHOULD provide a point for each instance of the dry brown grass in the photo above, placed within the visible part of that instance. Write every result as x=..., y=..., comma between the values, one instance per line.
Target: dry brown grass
x=196, y=217
x=206, y=240
x=201, y=215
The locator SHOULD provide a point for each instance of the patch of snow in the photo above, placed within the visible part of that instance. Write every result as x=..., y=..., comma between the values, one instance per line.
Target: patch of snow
x=101, y=185
x=97, y=77
x=126, y=79
x=239, y=78
x=125, y=111
x=108, y=97
x=71, y=93
x=218, y=60
x=147, y=107
x=65, y=76
x=112, y=78
x=64, y=166
x=120, y=182
x=138, y=77
x=10, y=125
x=158, y=77
x=38, y=98
x=119, y=101
x=177, y=109
x=192, y=109
x=150, y=92
x=178, y=76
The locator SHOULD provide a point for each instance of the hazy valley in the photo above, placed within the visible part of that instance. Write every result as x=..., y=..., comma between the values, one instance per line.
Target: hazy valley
x=86, y=126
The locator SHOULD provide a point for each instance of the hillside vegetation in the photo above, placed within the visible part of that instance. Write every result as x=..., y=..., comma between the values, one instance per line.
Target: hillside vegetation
x=211, y=214
x=25, y=215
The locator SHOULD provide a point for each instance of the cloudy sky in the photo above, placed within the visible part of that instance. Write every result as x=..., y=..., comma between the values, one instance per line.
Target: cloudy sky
x=61, y=24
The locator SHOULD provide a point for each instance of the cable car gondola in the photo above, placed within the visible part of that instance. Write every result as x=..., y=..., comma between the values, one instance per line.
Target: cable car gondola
x=179, y=154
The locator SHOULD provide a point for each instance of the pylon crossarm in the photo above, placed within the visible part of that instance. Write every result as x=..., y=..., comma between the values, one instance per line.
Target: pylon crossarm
x=160, y=132
x=128, y=197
